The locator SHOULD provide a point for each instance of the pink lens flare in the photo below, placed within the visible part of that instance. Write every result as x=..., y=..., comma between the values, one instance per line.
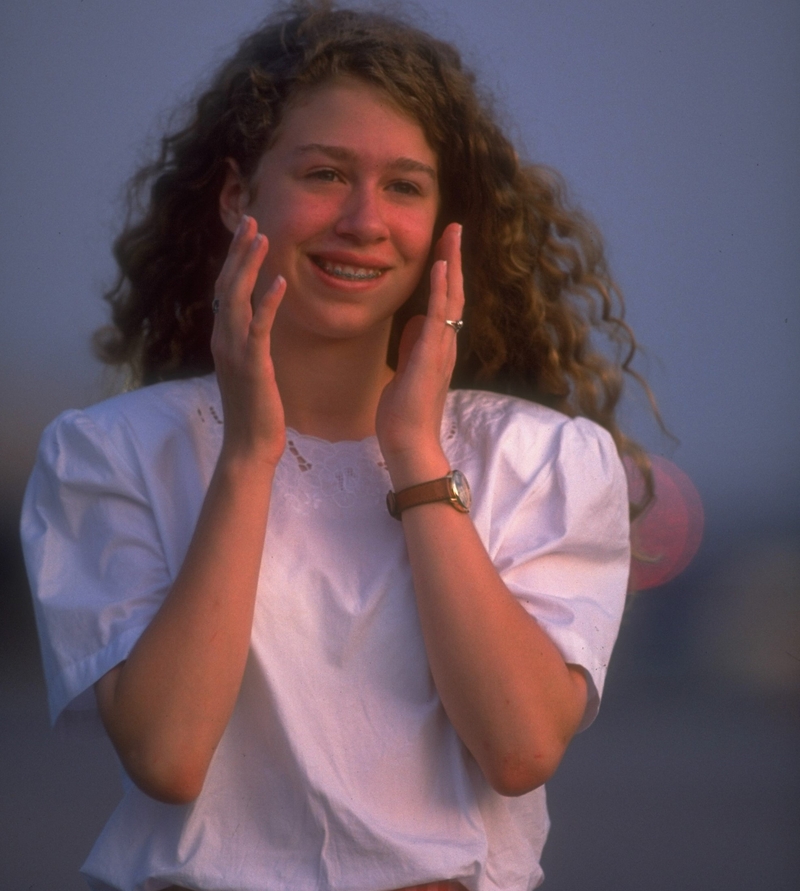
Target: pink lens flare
x=665, y=538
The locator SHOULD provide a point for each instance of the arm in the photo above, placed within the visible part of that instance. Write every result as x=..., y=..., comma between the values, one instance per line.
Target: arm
x=166, y=707
x=511, y=697
x=505, y=687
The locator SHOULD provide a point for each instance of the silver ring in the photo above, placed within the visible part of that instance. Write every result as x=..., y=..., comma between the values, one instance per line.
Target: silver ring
x=215, y=305
x=455, y=324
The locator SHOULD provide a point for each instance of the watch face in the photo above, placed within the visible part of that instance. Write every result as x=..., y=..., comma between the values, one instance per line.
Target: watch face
x=461, y=489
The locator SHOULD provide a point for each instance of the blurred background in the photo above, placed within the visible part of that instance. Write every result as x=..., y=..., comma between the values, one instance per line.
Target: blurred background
x=677, y=125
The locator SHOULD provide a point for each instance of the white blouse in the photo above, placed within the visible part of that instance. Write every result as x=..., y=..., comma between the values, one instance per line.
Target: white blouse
x=339, y=770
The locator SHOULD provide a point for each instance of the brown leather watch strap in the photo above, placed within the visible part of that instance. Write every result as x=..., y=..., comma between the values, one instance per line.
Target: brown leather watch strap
x=442, y=489
x=422, y=493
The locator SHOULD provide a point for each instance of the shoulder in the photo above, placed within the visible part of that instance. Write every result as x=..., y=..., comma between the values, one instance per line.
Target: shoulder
x=165, y=404
x=524, y=434
x=121, y=429
x=158, y=408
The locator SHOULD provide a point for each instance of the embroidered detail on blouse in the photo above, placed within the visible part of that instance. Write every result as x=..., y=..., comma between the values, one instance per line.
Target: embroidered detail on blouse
x=301, y=461
x=345, y=473
x=349, y=473
x=212, y=411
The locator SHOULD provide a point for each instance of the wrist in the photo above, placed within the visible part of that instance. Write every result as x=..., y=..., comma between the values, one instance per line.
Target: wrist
x=416, y=466
x=248, y=463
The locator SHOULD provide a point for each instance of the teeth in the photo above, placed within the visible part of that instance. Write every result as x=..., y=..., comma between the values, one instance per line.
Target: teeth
x=351, y=273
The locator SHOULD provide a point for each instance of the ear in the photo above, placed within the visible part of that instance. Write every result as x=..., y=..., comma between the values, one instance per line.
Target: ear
x=233, y=198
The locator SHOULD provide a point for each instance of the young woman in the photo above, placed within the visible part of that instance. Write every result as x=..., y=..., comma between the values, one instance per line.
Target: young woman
x=308, y=690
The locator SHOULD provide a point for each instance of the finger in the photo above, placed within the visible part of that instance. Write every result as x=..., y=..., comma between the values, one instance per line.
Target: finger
x=449, y=241
x=266, y=306
x=448, y=249
x=444, y=244
x=240, y=292
x=437, y=302
x=242, y=238
x=455, y=276
x=233, y=310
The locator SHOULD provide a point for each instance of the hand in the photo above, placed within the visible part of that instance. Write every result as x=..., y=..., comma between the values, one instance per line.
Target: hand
x=240, y=344
x=167, y=705
x=410, y=410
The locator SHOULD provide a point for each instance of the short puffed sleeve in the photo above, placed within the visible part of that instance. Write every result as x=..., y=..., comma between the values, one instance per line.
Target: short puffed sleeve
x=94, y=558
x=560, y=537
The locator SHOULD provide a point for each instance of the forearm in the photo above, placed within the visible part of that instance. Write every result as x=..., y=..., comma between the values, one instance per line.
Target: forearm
x=167, y=706
x=503, y=683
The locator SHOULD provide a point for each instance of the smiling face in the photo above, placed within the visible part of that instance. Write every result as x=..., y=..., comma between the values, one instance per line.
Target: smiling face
x=348, y=196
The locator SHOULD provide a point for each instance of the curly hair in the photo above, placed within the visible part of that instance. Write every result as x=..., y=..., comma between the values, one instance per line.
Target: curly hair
x=538, y=290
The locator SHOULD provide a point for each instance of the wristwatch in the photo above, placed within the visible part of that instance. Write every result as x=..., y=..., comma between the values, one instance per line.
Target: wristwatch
x=452, y=488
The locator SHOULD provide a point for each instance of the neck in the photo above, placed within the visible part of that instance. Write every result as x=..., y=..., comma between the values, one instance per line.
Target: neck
x=331, y=388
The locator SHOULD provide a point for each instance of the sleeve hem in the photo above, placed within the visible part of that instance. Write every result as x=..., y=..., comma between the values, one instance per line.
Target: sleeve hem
x=72, y=701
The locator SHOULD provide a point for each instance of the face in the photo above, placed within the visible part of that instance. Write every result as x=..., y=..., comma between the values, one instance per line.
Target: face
x=348, y=197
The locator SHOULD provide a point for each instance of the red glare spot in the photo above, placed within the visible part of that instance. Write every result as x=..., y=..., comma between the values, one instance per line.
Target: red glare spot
x=667, y=535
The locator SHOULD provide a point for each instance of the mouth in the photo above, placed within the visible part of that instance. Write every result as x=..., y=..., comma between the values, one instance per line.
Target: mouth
x=348, y=273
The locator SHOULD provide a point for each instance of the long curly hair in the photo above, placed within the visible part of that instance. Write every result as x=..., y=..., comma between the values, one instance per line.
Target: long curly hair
x=543, y=317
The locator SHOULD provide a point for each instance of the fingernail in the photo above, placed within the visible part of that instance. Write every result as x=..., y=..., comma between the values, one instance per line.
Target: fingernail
x=240, y=227
x=460, y=231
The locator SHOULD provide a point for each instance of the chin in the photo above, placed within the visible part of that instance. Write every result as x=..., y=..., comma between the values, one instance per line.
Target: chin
x=341, y=323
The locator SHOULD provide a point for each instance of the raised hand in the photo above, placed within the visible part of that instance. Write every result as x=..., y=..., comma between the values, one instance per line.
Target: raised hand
x=240, y=344
x=166, y=707
x=410, y=410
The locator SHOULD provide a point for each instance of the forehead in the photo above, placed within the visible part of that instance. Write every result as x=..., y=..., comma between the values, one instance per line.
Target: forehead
x=352, y=114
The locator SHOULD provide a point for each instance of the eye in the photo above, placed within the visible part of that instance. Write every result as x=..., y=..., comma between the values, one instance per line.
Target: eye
x=325, y=174
x=405, y=187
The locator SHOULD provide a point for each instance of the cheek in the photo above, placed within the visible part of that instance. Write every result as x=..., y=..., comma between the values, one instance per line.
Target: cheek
x=282, y=224
x=290, y=216
x=287, y=232
x=415, y=236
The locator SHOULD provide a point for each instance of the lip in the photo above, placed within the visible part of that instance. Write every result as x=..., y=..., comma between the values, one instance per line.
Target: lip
x=352, y=261
x=348, y=258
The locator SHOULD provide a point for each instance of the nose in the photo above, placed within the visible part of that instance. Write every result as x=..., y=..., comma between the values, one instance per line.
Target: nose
x=362, y=218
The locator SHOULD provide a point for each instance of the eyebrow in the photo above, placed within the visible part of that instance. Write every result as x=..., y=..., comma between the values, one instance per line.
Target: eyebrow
x=339, y=153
